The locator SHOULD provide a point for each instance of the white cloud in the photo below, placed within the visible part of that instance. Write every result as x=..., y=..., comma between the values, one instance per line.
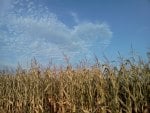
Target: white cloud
x=75, y=17
x=27, y=33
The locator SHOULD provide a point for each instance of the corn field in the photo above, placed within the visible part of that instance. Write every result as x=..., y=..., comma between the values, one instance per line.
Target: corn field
x=122, y=89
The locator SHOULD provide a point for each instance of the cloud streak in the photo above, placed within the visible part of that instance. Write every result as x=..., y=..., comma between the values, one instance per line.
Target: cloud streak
x=29, y=30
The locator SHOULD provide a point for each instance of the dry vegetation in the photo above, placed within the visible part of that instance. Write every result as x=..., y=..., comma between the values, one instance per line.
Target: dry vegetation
x=77, y=90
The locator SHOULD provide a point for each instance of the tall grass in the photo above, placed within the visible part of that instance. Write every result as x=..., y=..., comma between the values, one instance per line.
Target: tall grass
x=125, y=89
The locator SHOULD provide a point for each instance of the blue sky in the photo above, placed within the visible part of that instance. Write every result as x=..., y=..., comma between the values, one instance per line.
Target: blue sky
x=47, y=29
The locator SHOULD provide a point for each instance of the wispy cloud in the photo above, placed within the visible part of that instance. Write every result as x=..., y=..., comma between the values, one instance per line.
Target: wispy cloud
x=4, y=6
x=75, y=17
x=30, y=30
